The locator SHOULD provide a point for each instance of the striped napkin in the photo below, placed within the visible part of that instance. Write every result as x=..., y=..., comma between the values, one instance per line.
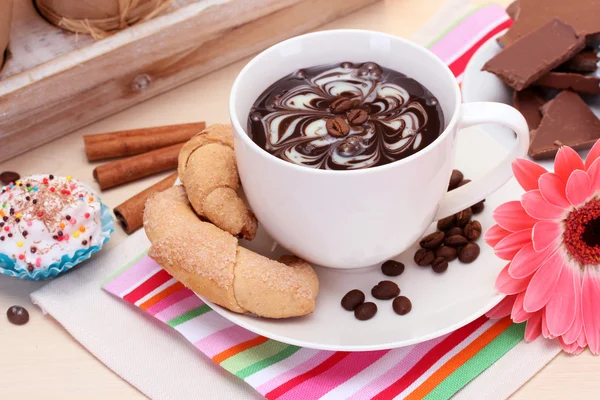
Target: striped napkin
x=436, y=369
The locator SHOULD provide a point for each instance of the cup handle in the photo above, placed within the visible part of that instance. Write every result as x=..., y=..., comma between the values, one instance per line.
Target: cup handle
x=484, y=113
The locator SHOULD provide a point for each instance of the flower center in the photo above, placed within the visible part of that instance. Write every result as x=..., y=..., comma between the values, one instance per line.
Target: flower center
x=582, y=234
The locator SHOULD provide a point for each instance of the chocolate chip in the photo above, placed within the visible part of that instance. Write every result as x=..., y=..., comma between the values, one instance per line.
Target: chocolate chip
x=2, y=238
x=30, y=267
x=27, y=198
x=84, y=242
x=365, y=311
x=463, y=217
x=401, y=305
x=10, y=234
x=446, y=223
x=24, y=233
x=68, y=217
x=353, y=299
x=337, y=127
x=11, y=211
x=17, y=220
x=54, y=237
x=8, y=177
x=33, y=249
x=463, y=182
x=469, y=253
x=392, y=268
x=17, y=315
x=424, y=257
x=478, y=207
x=28, y=184
x=455, y=179
x=34, y=201
x=456, y=241
x=358, y=117
x=433, y=240
x=448, y=252
x=51, y=176
x=385, y=290
x=342, y=104
x=472, y=230
x=5, y=218
x=439, y=265
x=454, y=231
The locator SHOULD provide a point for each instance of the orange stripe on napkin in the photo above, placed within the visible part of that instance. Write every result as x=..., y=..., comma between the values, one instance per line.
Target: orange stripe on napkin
x=225, y=354
x=162, y=295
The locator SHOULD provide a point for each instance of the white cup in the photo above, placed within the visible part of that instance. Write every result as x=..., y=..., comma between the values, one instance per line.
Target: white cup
x=358, y=218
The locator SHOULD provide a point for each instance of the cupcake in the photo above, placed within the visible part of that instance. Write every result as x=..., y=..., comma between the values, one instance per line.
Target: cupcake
x=49, y=224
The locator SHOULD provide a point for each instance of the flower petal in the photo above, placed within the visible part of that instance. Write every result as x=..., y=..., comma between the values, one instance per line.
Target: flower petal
x=582, y=340
x=594, y=174
x=506, y=284
x=512, y=216
x=567, y=160
x=543, y=283
x=527, y=173
x=553, y=188
x=579, y=187
x=518, y=314
x=576, y=329
x=495, y=234
x=501, y=309
x=545, y=332
x=572, y=348
x=537, y=207
x=527, y=261
x=562, y=306
x=546, y=234
x=592, y=155
x=508, y=247
x=534, y=327
x=590, y=299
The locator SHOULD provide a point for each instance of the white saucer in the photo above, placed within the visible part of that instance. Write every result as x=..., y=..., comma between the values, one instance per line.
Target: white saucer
x=441, y=302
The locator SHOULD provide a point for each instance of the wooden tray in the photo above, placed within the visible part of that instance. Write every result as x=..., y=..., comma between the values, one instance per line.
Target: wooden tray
x=55, y=82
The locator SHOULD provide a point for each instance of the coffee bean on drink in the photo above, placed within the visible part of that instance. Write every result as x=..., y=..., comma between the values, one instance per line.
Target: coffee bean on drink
x=385, y=290
x=337, y=127
x=472, y=230
x=448, y=252
x=468, y=253
x=463, y=217
x=433, y=240
x=463, y=182
x=392, y=268
x=342, y=105
x=365, y=311
x=446, y=223
x=454, y=231
x=455, y=179
x=456, y=241
x=478, y=207
x=424, y=257
x=17, y=315
x=401, y=305
x=353, y=299
x=358, y=117
x=439, y=265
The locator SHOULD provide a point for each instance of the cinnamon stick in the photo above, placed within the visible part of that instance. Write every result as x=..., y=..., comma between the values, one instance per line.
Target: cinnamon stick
x=131, y=168
x=130, y=142
x=130, y=213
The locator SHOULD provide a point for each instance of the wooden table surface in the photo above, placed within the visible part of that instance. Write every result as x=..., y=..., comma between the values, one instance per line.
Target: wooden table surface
x=41, y=360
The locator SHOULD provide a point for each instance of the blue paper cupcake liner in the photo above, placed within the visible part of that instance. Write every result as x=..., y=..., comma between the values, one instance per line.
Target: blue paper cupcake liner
x=8, y=267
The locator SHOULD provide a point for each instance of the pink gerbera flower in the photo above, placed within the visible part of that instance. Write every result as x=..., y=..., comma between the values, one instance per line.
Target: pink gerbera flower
x=551, y=240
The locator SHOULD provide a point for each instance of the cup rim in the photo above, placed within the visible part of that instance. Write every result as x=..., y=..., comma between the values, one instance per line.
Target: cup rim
x=360, y=171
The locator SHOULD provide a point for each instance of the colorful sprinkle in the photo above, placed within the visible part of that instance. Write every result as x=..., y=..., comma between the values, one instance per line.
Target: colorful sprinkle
x=38, y=262
x=76, y=234
x=87, y=215
x=72, y=186
x=45, y=180
x=73, y=221
x=68, y=178
x=7, y=228
x=52, y=189
x=19, y=215
x=29, y=189
x=40, y=214
x=21, y=256
x=29, y=223
x=82, y=229
x=35, y=189
x=20, y=244
x=66, y=236
x=62, y=226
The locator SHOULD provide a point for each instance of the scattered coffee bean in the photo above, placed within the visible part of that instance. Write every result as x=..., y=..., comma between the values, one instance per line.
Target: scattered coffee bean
x=433, y=240
x=17, y=315
x=446, y=223
x=455, y=179
x=401, y=305
x=456, y=241
x=478, y=207
x=8, y=177
x=424, y=257
x=342, y=105
x=463, y=217
x=353, y=299
x=365, y=311
x=439, y=265
x=463, y=182
x=337, y=127
x=468, y=253
x=385, y=290
x=472, y=230
x=454, y=231
x=358, y=117
x=392, y=268
x=448, y=252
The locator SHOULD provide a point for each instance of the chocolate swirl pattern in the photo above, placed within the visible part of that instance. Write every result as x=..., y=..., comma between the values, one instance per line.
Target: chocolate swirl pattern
x=345, y=116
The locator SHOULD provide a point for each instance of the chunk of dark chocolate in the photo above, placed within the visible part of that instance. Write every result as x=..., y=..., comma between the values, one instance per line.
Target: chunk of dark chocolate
x=528, y=102
x=572, y=81
x=586, y=61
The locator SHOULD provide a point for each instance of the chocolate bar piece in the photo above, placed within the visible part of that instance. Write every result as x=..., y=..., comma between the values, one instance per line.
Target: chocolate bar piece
x=567, y=121
x=535, y=55
x=528, y=102
x=513, y=9
x=530, y=15
x=586, y=61
x=572, y=81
